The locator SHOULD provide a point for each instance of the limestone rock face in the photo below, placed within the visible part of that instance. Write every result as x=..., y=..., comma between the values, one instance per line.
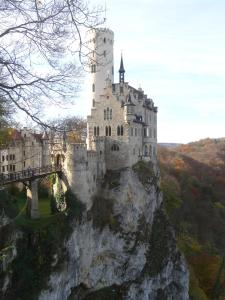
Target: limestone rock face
x=123, y=248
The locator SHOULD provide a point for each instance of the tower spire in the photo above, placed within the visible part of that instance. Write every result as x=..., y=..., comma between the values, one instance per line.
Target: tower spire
x=121, y=70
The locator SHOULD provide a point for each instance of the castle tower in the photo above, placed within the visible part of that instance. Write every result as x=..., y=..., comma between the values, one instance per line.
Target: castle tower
x=100, y=45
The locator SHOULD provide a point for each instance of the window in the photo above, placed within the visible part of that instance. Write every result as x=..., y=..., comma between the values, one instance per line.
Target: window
x=3, y=169
x=131, y=131
x=93, y=102
x=106, y=131
x=146, y=150
x=7, y=157
x=24, y=153
x=110, y=114
x=150, y=150
x=145, y=132
x=98, y=131
x=104, y=53
x=93, y=53
x=94, y=131
x=150, y=133
x=109, y=130
x=14, y=168
x=10, y=157
x=107, y=115
x=118, y=130
x=93, y=87
x=10, y=167
x=104, y=114
x=121, y=130
x=7, y=168
x=93, y=68
x=104, y=40
x=115, y=147
x=14, y=157
x=135, y=131
x=24, y=164
x=3, y=158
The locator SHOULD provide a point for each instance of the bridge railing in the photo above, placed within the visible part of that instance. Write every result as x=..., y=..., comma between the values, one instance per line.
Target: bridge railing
x=28, y=174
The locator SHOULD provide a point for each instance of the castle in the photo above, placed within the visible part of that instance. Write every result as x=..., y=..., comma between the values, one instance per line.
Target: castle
x=121, y=129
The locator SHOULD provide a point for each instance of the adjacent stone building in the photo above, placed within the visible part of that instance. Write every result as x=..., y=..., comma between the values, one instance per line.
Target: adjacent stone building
x=25, y=149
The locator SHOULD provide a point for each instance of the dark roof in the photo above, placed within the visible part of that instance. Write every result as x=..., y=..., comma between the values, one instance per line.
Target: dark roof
x=121, y=70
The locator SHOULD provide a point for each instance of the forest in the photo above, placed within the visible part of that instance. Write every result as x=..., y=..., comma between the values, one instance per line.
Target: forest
x=193, y=185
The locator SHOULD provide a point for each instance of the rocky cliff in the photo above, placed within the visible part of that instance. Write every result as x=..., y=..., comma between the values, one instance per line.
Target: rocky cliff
x=123, y=247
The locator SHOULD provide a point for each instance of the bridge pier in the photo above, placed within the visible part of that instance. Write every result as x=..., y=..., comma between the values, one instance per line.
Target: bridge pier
x=32, y=199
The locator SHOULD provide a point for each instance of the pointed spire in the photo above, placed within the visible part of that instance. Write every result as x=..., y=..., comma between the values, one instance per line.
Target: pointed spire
x=121, y=70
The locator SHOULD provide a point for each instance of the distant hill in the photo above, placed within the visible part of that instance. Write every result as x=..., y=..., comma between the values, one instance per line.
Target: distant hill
x=193, y=182
x=169, y=145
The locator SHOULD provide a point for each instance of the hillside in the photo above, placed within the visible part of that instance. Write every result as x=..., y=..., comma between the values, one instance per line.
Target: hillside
x=193, y=183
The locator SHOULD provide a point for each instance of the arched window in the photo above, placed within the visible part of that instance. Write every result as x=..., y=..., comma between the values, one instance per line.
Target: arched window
x=98, y=131
x=115, y=147
x=106, y=131
x=146, y=150
x=104, y=114
x=93, y=68
x=150, y=150
x=131, y=131
x=94, y=131
x=110, y=114
x=118, y=130
x=135, y=131
x=121, y=130
x=145, y=133
x=107, y=113
x=93, y=87
x=109, y=130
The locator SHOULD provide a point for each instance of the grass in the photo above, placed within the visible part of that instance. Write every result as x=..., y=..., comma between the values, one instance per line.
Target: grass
x=46, y=218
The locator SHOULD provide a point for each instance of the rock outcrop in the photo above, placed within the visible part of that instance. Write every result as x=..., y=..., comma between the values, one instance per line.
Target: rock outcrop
x=124, y=246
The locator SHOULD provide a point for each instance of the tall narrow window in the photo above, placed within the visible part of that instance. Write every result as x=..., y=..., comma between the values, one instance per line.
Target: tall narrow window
x=121, y=130
x=110, y=114
x=135, y=131
x=94, y=131
x=98, y=131
x=93, y=102
x=145, y=133
x=107, y=113
x=93, y=87
x=106, y=131
x=109, y=130
x=131, y=131
x=104, y=114
x=118, y=130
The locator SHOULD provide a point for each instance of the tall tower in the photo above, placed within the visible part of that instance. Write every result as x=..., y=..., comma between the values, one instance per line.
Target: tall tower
x=100, y=45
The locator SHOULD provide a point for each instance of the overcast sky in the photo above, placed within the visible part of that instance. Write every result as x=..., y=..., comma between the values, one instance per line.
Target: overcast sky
x=174, y=50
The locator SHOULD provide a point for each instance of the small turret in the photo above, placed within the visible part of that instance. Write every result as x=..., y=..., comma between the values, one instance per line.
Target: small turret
x=121, y=71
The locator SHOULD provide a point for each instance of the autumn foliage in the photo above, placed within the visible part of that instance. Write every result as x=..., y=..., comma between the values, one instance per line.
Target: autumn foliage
x=193, y=183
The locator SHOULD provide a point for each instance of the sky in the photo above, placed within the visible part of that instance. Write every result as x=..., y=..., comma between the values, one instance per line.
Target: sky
x=175, y=51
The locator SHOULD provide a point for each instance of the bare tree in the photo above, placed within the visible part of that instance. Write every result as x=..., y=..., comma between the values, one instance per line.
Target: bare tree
x=41, y=46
